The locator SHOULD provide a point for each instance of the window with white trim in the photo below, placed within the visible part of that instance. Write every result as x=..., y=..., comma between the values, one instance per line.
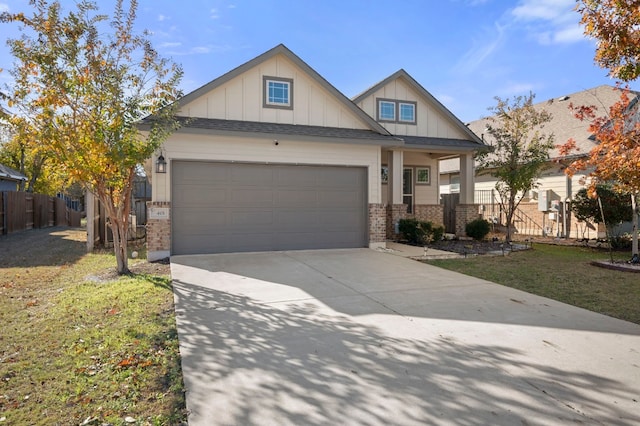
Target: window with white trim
x=386, y=111
x=407, y=112
x=395, y=111
x=423, y=175
x=278, y=92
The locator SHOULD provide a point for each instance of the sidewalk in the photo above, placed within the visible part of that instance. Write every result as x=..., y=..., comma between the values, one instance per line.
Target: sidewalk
x=419, y=253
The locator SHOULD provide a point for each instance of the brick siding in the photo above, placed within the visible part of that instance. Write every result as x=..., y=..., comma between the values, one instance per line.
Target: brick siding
x=395, y=212
x=158, y=230
x=465, y=213
x=433, y=213
x=377, y=223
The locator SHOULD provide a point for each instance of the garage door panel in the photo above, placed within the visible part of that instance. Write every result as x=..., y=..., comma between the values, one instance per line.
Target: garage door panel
x=252, y=197
x=288, y=198
x=250, y=219
x=200, y=221
x=200, y=195
x=343, y=220
x=297, y=177
x=288, y=220
x=245, y=174
x=340, y=178
x=197, y=173
x=339, y=198
x=259, y=207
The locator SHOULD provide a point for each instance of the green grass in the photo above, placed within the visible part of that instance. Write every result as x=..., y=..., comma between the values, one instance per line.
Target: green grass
x=79, y=343
x=561, y=273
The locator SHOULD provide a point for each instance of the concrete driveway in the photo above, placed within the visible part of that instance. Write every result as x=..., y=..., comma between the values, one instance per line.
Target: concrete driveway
x=362, y=337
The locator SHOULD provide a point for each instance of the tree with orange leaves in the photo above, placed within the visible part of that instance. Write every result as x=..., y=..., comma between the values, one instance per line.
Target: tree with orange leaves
x=615, y=25
x=81, y=86
x=616, y=157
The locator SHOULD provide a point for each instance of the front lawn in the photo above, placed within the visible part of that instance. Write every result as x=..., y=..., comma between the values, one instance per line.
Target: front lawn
x=562, y=273
x=80, y=345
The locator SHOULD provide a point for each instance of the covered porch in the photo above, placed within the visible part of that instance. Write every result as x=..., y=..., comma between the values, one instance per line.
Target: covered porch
x=411, y=187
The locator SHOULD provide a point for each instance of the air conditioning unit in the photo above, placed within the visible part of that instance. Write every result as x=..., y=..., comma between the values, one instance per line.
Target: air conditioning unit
x=543, y=200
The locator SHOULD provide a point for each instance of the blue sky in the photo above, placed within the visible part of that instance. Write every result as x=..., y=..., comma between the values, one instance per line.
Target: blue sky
x=464, y=52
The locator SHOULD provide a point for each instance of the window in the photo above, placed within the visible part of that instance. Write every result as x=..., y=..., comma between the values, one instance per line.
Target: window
x=454, y=183
x=278, y=92
x=384, y=174
x=393, y=111
x=387, y=111
x=407, y=112
x=423, y=175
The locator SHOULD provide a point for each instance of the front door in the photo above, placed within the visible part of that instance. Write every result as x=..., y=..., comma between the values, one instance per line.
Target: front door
x=407, y=188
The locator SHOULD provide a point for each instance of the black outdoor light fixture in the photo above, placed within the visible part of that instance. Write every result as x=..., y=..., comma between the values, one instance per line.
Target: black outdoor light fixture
x=161, y=164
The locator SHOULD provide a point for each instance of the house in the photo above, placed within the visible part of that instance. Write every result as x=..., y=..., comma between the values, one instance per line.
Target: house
x=271, y=156
x=10, y=179
x=544, y=211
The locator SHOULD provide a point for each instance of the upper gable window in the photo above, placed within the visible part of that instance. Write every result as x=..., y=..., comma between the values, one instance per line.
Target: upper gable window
x=278, y=92
x=387, y=111
x=394, y=111
x=407, y=112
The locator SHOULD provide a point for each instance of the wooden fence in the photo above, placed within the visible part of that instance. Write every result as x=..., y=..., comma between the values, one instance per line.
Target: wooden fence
x=21, y=211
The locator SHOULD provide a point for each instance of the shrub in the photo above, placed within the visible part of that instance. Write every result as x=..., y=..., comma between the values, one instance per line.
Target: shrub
x=418, y=232
x=478, y=229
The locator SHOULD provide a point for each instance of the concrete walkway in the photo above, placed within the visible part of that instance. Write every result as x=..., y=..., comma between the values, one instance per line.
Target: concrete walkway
x=362, y=337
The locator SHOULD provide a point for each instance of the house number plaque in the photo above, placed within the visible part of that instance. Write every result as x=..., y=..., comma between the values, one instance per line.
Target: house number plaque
x=158, y=213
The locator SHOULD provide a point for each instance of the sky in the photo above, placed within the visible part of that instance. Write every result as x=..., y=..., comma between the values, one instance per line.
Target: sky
x=464, y=52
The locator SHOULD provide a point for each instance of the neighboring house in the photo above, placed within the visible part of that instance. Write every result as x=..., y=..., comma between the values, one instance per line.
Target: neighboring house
x=10, y=179
x=544, y=211
x=273, y=157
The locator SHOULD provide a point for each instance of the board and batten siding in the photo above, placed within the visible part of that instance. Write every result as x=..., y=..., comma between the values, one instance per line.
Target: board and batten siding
x=429, y=121
x=241, y=98
x=181, y=146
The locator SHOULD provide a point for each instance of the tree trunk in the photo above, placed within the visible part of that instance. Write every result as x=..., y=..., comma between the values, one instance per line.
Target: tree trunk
x=118, y=209
x=634, y=228
x=119, y=229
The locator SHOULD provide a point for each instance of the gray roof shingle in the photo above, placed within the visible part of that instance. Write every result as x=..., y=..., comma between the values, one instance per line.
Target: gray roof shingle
x=9, y=173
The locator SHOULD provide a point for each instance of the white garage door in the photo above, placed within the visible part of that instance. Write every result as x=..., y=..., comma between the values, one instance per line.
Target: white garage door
x=231, y=207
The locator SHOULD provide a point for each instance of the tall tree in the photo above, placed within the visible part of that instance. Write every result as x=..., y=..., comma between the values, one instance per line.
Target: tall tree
x=83, y=85
x=615, y=25
x=22, y=150
x=520, y=151
x=615, y=159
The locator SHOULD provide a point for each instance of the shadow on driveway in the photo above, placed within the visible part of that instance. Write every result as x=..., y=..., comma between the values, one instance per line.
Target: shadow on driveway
x=255, y=352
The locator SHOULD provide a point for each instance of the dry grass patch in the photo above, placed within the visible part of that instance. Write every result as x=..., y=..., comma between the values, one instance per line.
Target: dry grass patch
x=80, y=345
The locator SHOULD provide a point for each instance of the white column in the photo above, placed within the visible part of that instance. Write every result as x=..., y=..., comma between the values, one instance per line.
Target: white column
x=467, y=178
x=395, y=176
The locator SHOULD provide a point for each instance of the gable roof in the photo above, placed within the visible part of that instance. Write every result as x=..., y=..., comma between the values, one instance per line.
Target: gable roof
x=425, y=94
x=281, y=49
x=7, y=173
x=564, y=125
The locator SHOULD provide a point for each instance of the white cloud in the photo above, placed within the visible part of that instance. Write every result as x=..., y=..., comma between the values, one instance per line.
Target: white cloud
x=516, y=88
x=481, y=50
x=570, y=34
x=214, y=14
x=200, y=49
x=162, y=18
x=548, y=21
x=169, y=44
x=196, y=50
x=549, y=10
x=4, y=7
